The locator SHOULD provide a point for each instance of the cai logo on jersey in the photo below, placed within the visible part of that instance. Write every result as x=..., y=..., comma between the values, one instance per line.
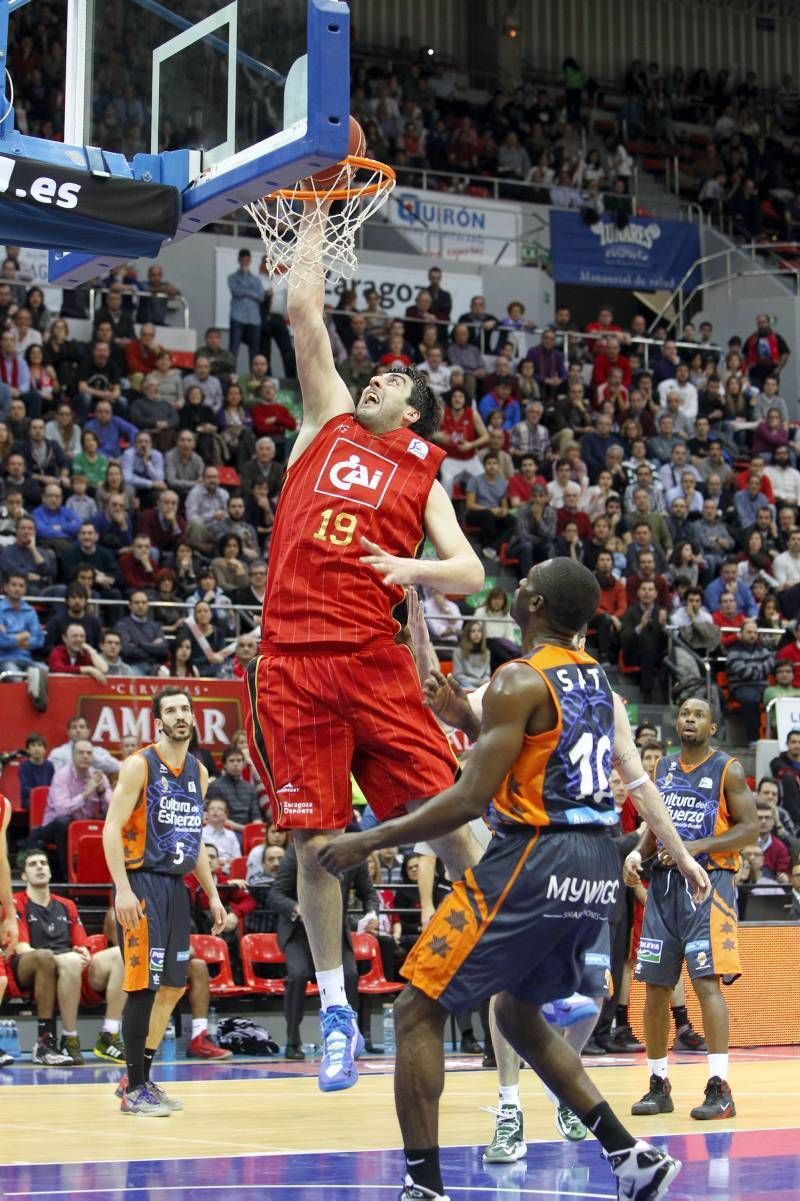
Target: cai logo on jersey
x=355, y=474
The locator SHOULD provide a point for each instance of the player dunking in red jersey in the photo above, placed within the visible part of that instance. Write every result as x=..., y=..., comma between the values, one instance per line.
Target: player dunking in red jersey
x=331, y=691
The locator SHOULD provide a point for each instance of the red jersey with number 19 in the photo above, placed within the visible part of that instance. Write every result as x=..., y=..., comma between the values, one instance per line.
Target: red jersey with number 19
x=346, y=485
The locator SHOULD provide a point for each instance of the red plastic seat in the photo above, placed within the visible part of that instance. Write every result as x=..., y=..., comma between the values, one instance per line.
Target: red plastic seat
x=90, y=867
x=373, y=982
x=253, y=835
x=263, y=949
x=238, y=868
x=213, y=950
x=78, y=830
x=38, y=804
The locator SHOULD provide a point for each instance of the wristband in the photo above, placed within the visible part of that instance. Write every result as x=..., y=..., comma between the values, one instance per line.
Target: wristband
x=638, y=783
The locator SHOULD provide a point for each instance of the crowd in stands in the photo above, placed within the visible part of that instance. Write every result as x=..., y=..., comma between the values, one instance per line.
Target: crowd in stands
x=573, y=141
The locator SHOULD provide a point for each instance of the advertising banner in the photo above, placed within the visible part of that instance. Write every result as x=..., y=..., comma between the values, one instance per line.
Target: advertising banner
x=119, y=709
x=449, y=226
x=646, y=255
x=397, y=287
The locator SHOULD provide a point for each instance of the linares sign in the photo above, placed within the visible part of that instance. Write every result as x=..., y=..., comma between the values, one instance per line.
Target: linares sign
x=645, y=254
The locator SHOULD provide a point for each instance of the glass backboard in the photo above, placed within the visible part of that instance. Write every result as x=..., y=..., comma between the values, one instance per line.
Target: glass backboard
x=158, y=75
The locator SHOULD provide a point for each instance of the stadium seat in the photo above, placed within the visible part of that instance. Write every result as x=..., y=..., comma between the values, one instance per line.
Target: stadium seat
x=213, y=950
x=38, y=805
x=238, y=868
x=90, y=867
x=263, y=949
x=373, y=982
x=253, y=835
x=77, y=831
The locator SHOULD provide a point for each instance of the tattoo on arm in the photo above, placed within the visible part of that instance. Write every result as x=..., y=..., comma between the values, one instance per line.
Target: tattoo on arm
x=626, y=756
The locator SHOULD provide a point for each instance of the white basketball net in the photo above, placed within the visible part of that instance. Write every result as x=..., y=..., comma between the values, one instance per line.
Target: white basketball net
x=300, y=224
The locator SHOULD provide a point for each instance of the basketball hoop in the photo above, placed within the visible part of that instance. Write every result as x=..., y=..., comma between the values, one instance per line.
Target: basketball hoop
x=315, y=221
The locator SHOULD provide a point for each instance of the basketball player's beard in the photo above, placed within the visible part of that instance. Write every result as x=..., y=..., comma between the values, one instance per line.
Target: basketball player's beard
x=170, y=732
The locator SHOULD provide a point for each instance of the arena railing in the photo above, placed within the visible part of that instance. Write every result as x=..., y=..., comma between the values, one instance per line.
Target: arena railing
x=532, y=337
x=186, y=607
x=681, y=298
x=179, y=299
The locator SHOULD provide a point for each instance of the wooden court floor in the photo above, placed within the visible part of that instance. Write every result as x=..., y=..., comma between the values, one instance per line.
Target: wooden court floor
x=263, y=1111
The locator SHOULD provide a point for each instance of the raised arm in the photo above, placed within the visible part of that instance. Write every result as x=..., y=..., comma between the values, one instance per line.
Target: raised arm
x=649, y=804
x=457, y=569
x=324, y=392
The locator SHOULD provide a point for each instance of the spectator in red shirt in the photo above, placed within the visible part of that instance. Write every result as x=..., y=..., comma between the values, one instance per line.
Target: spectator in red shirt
x=141, y=354
x=606, y=361
x=792, y=654
x=777, y=860
x=571, y=512
x=75, y=657
x=139, y=564
x=756, y=467
x=728, y=615
x=604, y=325
x=613, y=602
x=647, y=574
x=520, y=486
x=271, y=418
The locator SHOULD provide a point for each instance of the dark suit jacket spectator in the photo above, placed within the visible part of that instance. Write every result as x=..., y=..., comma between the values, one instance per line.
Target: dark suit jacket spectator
x=101, y=560
x=253, y=471
x=283, y=897
x=142, y=641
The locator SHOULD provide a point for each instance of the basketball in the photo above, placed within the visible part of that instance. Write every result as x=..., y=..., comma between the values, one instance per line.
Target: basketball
x=331, y=176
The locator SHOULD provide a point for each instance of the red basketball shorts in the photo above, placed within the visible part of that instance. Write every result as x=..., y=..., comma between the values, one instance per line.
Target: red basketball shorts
x=316, y=718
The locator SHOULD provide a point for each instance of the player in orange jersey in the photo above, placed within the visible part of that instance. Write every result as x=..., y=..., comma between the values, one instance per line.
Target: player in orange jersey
x=519, y=922
x=331, y=691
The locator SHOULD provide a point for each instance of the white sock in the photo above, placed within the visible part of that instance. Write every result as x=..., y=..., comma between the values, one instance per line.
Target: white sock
x=658, y=1067
x=111, y=1025
x=199, y=1026
x=551, y=1097
x=69, y=1033
x=331, y=988
x=509, y=1095
x=718, y=1066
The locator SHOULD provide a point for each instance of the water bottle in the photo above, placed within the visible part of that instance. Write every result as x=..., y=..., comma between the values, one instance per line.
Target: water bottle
x=388, y=1029
x=5, y=1048
x=13, y=1039
x=213, y=1024
x=168, y=1047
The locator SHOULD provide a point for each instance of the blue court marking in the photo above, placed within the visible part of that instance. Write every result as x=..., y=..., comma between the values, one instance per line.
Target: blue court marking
x=748, y=1166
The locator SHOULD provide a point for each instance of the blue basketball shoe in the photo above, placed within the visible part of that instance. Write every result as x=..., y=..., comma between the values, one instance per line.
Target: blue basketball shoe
x=343, y=1044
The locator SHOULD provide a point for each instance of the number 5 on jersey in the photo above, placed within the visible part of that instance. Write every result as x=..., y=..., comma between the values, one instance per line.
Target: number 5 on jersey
x=341, y=531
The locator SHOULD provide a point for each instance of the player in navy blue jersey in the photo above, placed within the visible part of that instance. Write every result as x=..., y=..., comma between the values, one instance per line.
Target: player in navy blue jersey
x=152, y=839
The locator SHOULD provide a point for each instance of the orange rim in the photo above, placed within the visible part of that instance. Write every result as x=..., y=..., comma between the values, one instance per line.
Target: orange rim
x=385, y=173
